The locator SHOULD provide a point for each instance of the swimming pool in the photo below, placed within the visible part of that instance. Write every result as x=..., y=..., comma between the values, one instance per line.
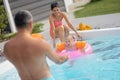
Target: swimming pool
x=102, y=64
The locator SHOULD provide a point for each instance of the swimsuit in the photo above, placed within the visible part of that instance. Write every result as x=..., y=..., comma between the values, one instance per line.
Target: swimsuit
x=57, y=24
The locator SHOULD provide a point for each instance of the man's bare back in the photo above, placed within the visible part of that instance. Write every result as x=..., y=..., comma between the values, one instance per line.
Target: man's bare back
x=28, y=55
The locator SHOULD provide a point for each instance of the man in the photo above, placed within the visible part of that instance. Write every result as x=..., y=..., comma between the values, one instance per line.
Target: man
x=28, y=54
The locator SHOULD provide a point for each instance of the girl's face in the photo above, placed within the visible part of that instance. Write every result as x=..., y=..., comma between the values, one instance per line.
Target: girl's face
x=69, y=41
x=56, y=10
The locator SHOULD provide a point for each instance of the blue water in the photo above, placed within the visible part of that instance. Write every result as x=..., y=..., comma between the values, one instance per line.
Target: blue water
x=102, y=64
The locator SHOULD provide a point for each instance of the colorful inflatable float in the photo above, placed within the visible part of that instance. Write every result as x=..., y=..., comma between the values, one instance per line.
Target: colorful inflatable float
x=40, y=36
x=84, y=27
x=82, y=48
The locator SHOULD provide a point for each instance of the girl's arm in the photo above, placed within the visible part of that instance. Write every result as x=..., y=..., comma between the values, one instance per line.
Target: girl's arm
x=53, y=30
x=70, y=24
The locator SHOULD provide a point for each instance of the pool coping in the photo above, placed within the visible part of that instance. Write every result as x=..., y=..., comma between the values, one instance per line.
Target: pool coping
x=5, y=66
x=89, y=34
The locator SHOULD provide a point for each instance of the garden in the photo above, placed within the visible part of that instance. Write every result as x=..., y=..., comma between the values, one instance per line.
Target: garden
x=5, y=32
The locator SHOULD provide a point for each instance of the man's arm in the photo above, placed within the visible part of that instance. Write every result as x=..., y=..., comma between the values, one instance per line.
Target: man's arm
x=54, y=56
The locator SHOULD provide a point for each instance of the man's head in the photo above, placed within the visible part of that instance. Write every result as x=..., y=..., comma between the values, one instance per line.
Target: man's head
x=23, y=19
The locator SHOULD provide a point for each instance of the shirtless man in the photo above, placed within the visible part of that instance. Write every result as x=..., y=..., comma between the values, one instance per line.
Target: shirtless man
x=28, y=54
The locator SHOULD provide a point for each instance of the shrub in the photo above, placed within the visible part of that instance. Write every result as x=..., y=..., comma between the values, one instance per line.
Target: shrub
x=4, y=22
x=7, y=36
x=36, y=29
x=3, y=18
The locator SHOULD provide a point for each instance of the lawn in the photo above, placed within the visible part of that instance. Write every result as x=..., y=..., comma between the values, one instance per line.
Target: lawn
x=99, y=8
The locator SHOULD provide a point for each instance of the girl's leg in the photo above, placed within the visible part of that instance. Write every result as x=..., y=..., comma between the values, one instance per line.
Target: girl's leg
x=60, y=32
x=52, y=35
x=66, y=30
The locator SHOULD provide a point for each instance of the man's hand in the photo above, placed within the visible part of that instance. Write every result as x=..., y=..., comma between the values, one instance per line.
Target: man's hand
x=63, y=59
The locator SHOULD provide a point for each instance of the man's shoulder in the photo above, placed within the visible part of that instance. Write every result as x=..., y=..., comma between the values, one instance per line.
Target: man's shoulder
x=8, y=43
x=40, y=44
x=39, y=41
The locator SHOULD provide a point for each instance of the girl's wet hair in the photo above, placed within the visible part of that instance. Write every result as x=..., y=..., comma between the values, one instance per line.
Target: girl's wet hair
x=53, y=5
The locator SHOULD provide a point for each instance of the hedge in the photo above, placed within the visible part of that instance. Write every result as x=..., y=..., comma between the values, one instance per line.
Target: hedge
x=37, y=29
x=4, y=23
x=3, y=18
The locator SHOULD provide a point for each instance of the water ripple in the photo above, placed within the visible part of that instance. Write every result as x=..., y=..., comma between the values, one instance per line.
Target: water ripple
x=97, y=43
x=107, y=48
x=117, y=56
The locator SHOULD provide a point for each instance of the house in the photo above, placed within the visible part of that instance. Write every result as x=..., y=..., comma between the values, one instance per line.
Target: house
x=40, y=9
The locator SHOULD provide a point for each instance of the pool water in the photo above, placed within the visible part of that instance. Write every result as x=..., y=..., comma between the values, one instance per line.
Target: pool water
x=102, y=64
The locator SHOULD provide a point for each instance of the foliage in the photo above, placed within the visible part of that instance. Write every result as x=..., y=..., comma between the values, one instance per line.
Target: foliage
x=4, y=22
x=3, y=18
x=37, y=29
x=1, y=2
x=7, y=36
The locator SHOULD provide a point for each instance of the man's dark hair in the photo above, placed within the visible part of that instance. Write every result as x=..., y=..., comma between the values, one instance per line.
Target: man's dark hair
x=53, y=5
x=22, y=18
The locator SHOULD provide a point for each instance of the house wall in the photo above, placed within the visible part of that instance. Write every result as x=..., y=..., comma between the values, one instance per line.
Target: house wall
x=67, y=3
x=40, y=9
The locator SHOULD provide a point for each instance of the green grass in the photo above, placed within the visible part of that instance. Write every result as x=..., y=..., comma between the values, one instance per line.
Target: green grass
x=99, y=8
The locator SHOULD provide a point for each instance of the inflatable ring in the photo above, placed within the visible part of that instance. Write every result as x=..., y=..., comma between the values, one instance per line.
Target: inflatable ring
x=83, y=48
x=88, y=27
x=84, y=27
x=40, y=36
x=80, y=44
x=61, y=46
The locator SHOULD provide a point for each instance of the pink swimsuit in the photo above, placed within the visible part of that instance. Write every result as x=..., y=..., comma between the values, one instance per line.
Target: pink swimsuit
x=57, y=24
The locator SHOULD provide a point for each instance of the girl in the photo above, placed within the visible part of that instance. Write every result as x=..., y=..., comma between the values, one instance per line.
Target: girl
x=57, y=29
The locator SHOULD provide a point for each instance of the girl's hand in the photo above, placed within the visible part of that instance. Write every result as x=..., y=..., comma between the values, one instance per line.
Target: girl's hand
x=54, y=44
x=79, y=36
